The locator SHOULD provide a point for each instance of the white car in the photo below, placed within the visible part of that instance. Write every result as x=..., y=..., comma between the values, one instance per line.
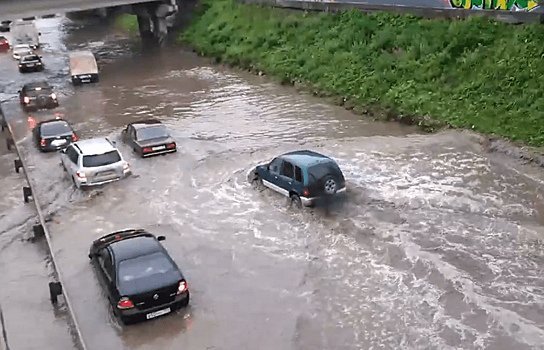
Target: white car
x=22, y=50
x=94, y=162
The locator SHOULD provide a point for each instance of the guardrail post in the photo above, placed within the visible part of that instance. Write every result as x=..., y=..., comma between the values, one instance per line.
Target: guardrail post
x=10, y=142
x=18, y=164
x=55, y=289
x=38, y=231
x=27, y=192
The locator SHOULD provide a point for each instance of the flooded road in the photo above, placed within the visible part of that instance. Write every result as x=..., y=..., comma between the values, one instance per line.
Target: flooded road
x=437, y=244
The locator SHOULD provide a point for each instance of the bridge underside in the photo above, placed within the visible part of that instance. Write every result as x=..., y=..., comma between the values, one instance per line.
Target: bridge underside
x=152, y=15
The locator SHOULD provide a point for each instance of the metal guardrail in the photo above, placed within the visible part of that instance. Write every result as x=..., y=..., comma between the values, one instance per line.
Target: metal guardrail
x=427, y=12
x=55, y=288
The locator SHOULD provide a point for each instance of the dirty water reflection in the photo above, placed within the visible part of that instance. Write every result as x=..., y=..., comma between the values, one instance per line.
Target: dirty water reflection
x=436, y=245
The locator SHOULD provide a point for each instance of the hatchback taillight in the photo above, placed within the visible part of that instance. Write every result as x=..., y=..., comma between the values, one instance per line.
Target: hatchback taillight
x=43, y=142
x=74, y=137
x=125, y=303
x=146, y=149
x=183, y=287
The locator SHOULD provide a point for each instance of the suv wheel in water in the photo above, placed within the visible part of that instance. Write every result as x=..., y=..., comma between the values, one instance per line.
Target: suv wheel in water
x=257, y=183
x=329, y=186
x=295, y=201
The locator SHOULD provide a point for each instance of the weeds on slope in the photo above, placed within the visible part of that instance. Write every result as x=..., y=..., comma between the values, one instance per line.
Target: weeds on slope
x=475, y=73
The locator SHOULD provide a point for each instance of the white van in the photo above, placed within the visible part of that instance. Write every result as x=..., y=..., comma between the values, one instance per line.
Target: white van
x=83, y=67
x=25, y=33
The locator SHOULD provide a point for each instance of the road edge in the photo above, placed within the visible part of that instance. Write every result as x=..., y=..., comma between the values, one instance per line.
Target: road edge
x=78, y=339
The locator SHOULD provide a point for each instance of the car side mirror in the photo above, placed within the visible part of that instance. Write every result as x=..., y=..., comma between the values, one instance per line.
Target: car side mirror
x=39, y=33
x=19, y=91
x=161, y=238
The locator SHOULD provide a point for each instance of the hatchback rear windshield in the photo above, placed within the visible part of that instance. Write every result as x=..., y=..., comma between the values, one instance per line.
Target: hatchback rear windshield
x=144, y=266
x=319, y=171
x=101, y=159
x=154, y=132
x=55, y=129
x=30, y=58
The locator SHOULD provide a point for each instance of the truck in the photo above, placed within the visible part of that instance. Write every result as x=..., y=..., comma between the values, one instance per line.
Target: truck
x=83, y=67
x=25, y=32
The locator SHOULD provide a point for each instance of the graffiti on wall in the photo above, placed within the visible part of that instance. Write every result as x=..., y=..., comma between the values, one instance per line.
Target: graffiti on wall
x=509, y=5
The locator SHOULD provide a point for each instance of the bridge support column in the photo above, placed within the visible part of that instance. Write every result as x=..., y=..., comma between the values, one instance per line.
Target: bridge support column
x=144, y=25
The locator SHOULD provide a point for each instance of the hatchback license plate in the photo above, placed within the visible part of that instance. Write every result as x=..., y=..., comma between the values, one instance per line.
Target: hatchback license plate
x=158, y=313
x=158, y=148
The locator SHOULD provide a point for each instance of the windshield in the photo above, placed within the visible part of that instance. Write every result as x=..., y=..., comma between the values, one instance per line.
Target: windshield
x=135, y=269
x=55, y=129
x=22, y=47
x=101, y=159
x=151, y=133
x=319, y=171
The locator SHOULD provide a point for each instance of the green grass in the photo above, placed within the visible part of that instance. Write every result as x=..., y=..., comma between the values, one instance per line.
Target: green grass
x=128, y=24
x=475, y=73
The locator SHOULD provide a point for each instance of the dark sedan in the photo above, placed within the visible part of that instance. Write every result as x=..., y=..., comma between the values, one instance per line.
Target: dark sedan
x=30, y=63
x=34, y=96
x=148, y=138
x=140, y=278
x=54, y=134
x=5, y=26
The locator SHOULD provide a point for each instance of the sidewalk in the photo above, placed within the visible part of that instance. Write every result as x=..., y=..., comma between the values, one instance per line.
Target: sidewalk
x=30, y=320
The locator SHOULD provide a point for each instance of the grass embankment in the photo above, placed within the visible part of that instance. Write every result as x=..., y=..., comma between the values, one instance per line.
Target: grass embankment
x=128, y=24
x=475, y=73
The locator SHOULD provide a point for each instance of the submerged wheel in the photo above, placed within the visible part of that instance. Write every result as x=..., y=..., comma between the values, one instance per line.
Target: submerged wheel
x=295, y=201
x=257, y=182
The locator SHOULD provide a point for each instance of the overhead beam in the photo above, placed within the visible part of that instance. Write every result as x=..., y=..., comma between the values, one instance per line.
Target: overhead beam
x=15, y=9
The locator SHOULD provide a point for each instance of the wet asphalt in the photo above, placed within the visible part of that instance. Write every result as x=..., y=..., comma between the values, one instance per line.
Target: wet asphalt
x=436, y=245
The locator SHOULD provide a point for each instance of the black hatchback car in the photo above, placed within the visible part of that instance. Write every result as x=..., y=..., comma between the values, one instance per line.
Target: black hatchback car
x=30, y=63
x=37, y=95
x=140, y=278
x=148, y=138
x=54, y=134
x=302, y=176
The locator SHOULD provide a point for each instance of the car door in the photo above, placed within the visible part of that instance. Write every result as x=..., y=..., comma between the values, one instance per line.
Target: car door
x=70, y=160
x=271, y=177
x=298, y=183
x=107, y=274
x=286, y=177
x=132, y=138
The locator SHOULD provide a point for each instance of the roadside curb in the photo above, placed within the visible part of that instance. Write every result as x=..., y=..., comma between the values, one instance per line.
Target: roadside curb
x=4, y=337
x=21, y=162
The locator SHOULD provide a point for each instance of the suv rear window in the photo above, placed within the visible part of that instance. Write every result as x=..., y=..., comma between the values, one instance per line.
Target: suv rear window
x=30, y=58
x=101, y=159
x=319, y=171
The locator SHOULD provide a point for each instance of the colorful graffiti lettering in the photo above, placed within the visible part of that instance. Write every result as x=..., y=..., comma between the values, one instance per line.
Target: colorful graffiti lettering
x=523, y=5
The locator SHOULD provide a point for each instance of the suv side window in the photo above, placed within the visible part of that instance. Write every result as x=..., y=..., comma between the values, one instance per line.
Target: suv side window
x=298, y=174
x=274, y=166
x=288, y=170
x=72, y=154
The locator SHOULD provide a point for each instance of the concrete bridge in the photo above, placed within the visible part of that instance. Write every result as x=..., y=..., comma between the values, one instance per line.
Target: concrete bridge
x=152, y=14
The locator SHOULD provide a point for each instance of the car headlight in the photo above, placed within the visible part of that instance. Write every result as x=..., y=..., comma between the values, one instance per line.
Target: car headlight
x=53, y=96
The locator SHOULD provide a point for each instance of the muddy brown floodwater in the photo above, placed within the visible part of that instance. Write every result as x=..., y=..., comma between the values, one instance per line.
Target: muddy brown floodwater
x=436, y=245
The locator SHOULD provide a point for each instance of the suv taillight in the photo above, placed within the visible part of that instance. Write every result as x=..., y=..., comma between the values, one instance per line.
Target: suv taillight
x=75, y=138
x=182, y=287
x=125, y=303
x=42, y=143
x=306, y=193
x=26, y=99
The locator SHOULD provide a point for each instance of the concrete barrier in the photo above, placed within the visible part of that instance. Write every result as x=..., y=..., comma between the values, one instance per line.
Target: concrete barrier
x=41, y=230
x=427, y=12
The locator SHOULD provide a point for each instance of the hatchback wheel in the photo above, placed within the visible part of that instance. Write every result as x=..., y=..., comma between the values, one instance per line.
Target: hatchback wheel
x=330, y=186
x=295, y=201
